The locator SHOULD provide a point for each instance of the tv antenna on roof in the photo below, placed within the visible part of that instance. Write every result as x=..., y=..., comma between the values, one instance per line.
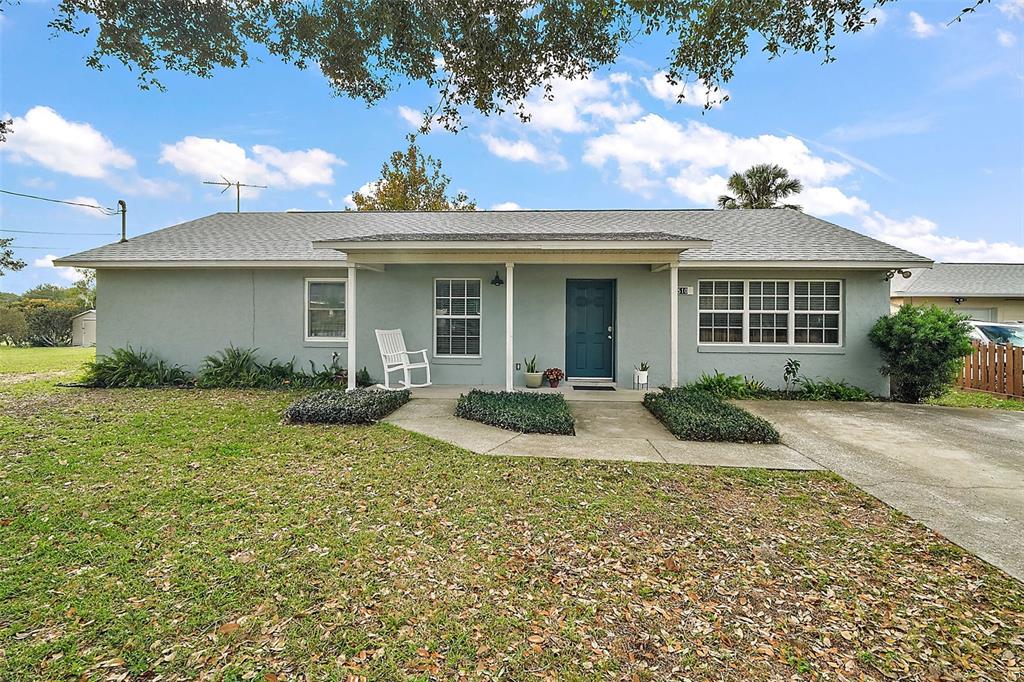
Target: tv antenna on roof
x=227, y=184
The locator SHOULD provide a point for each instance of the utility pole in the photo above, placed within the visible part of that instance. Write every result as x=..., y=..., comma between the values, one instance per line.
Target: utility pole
x=227, y=184
x=122, y=208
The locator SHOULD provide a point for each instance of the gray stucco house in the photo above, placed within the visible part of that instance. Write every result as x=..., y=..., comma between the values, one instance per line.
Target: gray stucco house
x=592, y=292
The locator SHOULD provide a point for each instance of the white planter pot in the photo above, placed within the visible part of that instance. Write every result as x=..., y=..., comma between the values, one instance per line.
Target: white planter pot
x=534, y=379
x=640, y=377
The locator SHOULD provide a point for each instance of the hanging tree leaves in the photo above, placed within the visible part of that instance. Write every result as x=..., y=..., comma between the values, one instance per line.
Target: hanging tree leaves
x=485, y=55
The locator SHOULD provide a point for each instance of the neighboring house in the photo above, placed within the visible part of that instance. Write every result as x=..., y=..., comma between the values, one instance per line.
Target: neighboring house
x=987, y=292
x=593, y=292
x=83, y=329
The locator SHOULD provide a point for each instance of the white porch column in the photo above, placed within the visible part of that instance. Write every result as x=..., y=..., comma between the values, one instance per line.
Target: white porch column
x=509, y=364
x=350, y=326
x=673, y=316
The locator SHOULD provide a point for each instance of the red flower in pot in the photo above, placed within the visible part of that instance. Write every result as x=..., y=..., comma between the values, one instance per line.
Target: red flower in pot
x=554, y=375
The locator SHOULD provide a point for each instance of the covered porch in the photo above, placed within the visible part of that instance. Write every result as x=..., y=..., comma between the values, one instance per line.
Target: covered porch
x=591, y=305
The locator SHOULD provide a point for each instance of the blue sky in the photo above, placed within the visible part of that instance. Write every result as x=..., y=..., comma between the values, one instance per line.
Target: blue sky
x=915, y=135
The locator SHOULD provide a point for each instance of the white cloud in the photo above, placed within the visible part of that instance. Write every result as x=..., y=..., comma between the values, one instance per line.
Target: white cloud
x=921, y=28
x=47, y=138
x=577, y=105
x=1012, y=8
x=1005, y=38
x=209, y=159
x=653, y=146
x=367, y=189
x=507, y=206
x=91, y=201
x=46, y=262
x=910, y=123
x=919, y=235
x=695, y=94
x=829, y=201
x=522, y=150
x=878, y=14
x=411, y=116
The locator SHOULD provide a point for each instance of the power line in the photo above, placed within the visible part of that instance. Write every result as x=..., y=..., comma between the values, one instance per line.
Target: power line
x=73, y=234
x=41, y=248
x=102, y=209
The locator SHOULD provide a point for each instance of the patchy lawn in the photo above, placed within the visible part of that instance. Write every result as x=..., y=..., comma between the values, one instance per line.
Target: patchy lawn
x=43, y=360
x=191, y=535
x=956, y=397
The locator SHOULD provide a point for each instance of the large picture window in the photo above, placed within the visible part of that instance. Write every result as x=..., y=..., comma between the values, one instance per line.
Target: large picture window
x=770, y=312
x=325, y=310
x=457, y=317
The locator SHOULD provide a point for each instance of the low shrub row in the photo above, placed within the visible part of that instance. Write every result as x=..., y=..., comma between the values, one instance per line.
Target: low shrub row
x=230, y=368
x=696, y=414
x=737, y=387
x=522, y=412
x=333, y=406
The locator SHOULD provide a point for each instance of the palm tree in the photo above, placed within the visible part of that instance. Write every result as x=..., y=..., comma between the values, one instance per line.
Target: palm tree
x=763, y=185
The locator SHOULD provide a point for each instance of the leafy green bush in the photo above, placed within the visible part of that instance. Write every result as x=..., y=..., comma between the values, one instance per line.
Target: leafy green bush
x=922, y=350
x=827, y=389
x=363, y=379
x=13, y=328
x=128, y=368
x=697, y=414
x=49, y=323
x=730, y=386
x=333, y=406
x=239, y=368
x=522, y=412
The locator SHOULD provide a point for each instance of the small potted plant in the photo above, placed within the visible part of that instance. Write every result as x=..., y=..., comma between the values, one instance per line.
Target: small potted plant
x=554, y=375
x=533, y=378
x=640, y=373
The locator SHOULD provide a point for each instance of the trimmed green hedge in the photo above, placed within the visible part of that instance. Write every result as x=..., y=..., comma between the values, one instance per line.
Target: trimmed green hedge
x=333, y=406
x=694, y=414
x=522, y=412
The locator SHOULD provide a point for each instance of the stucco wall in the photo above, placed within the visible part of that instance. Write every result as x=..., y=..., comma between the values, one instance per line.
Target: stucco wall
x=184, y=315
x=1005, y=309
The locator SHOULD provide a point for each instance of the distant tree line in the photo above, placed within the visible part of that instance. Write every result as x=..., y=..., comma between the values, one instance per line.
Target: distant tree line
x=42, y=315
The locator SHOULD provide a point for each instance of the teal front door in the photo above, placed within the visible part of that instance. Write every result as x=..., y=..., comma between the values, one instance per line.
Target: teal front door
x=590, y=328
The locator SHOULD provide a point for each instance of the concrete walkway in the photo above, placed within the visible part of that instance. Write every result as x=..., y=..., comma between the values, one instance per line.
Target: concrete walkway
x=958, y=471
x=605, y=430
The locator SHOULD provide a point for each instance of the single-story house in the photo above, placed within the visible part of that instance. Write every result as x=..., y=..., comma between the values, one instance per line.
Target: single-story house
x=593, y=292
x=83, y=328
x=987, y=292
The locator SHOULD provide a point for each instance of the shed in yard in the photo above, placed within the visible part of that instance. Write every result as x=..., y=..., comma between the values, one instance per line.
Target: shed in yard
x=83, y=329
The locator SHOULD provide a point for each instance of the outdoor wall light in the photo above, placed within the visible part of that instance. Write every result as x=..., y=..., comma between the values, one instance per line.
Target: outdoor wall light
x=958, y=300
x=497, y=281
x=892, y=273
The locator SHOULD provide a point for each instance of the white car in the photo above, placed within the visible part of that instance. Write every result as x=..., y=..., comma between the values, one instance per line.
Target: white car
x=997, y=332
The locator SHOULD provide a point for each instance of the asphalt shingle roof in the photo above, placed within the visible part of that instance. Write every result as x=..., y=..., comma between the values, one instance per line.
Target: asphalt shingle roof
x=737, y=235
x=963, y=279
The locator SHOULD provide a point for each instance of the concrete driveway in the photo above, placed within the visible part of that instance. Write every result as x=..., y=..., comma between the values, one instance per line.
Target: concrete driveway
x=958, y=471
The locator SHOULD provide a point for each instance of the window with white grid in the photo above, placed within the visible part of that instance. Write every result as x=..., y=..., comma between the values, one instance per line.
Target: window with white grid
x=457, y=317
x=325, y=309
x=817, y=305
x=720, y=311
x=768, y=303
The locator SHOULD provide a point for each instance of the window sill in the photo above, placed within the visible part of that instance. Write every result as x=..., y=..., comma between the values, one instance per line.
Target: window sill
x=787, y=349
x=324, y=343
x=457, y=361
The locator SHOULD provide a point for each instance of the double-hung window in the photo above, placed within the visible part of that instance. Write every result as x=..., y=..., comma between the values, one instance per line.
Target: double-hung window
x=720, y=319
x=816, y=318
x=325, y=310
x=770, y=312
x=457, y=317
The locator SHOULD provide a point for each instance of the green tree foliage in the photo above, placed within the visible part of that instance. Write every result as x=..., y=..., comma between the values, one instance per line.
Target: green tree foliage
x=763, y=185
x=49, y=323
x=13, y=328
x=7, y=259
x=484, y=54
x=922, y=349
x=411, y=182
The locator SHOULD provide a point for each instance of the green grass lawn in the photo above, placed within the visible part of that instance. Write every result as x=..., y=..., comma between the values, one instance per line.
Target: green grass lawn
x=958, y=398
x=187, y=534
x=43, y=360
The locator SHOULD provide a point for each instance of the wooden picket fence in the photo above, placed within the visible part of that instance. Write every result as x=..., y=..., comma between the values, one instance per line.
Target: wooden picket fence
x=994, y=368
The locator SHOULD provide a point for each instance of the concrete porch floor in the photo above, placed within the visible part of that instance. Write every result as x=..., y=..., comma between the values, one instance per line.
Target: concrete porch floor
x=619, y=395
x=612, y=430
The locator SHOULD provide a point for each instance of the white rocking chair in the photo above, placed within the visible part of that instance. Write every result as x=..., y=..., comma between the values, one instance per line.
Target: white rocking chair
x=395, y=358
